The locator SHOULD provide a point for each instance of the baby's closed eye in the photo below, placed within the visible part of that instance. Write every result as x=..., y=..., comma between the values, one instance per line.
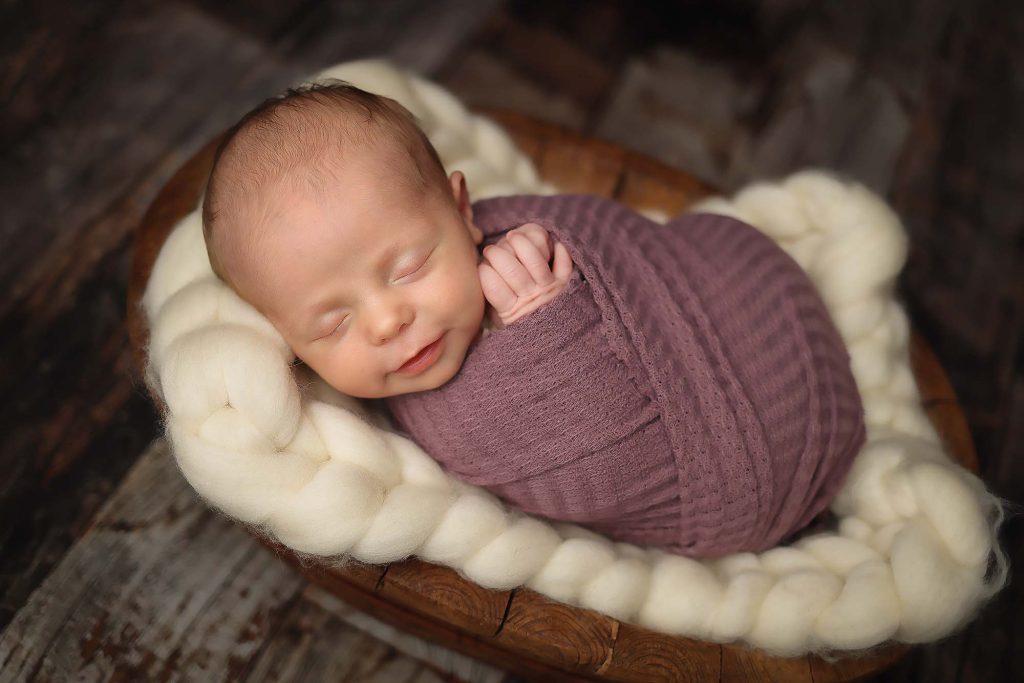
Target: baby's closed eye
x=331, y=329
x=415, y=266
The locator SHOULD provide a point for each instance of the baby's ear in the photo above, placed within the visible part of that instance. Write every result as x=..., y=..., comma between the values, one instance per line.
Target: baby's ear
x=461, y=194
x=462, y=203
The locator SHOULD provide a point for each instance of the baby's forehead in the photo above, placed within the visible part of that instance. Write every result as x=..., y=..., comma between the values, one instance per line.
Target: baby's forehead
x=273, y=183
x=354, y=215
x=305, y=134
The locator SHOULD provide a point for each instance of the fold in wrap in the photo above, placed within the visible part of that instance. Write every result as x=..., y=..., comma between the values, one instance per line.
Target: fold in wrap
x=687, y=390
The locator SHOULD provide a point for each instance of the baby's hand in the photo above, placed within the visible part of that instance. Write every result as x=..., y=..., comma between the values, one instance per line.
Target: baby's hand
x=516, y=276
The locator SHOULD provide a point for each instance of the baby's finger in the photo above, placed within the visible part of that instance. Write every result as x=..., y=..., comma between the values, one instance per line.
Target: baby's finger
x=537, y=234
x=496, y=291
x=503, y=243
x=510, y=269
x=530, y=256
x=539, y=240
x=562, y=267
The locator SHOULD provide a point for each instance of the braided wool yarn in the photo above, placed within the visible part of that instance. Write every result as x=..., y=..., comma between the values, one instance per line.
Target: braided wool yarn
x=915, y=553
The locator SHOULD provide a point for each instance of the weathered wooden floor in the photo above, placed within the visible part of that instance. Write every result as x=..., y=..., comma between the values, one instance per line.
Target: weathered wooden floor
x=111, y=568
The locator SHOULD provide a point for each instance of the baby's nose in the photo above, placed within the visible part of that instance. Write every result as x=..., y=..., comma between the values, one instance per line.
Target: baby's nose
x=389, y=322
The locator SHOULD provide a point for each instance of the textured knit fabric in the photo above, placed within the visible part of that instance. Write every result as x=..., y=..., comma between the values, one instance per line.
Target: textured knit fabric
x=687, y=390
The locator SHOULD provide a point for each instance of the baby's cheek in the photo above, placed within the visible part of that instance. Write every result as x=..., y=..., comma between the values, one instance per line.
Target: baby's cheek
x=322, y=362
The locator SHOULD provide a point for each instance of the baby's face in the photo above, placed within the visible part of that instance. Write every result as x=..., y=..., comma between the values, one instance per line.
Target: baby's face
x=362, y=277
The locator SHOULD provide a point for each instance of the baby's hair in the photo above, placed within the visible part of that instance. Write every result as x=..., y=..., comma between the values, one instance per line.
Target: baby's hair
x=260, y=136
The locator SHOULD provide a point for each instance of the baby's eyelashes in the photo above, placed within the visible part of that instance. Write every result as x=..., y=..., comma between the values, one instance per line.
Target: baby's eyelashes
x=338, y=326
x=407, y=271
x=415, y=267
x=330, y=331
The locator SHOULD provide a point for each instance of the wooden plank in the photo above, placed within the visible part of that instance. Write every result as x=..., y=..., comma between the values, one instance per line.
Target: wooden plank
x=689, y=117
x=161, y=586
x=478, y=79
x=729, y=129
x=159, y=582
x=440, y=29
x=315, y=644
x=546, y=57
x=71, y=434
x=899, y=41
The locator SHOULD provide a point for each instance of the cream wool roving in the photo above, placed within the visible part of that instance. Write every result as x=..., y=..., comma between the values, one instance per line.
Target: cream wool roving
x=915, y=553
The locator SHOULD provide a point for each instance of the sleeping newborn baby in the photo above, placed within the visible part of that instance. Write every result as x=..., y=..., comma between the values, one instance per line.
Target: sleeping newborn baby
x=680, y=386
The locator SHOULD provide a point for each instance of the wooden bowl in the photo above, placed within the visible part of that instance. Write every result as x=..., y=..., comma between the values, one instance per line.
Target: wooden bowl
x=521, y=630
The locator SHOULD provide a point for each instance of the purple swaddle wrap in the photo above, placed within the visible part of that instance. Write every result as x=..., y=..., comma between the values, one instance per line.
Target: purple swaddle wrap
x=687, y=389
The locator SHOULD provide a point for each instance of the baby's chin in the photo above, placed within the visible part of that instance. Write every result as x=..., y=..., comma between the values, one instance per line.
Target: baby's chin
x=397, y=385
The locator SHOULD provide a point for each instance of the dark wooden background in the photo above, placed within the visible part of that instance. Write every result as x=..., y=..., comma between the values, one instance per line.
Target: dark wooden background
x=923, y=100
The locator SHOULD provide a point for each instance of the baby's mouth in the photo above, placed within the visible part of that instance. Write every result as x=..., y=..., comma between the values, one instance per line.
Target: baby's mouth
x=423, y=359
